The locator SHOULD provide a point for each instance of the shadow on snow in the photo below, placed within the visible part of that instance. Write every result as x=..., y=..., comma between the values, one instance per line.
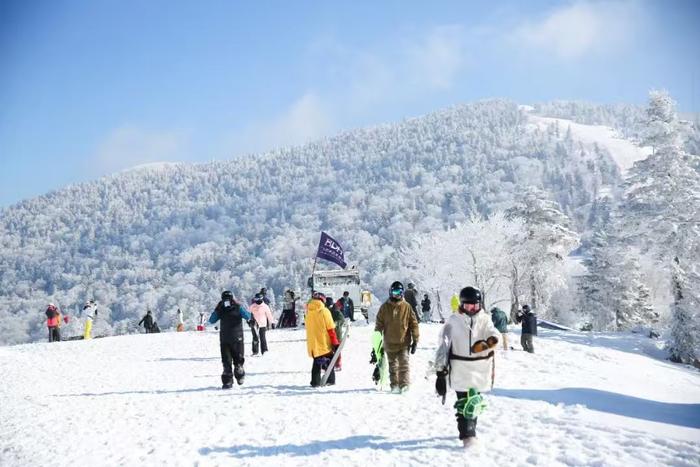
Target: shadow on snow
x=318, y=447
x=687, y=415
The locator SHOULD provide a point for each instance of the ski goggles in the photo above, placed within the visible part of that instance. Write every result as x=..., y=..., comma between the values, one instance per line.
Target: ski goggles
x=396, y=292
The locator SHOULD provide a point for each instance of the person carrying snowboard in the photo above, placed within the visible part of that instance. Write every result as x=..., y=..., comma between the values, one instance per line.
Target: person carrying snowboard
x=398, y=324
x=465, y=359
x=262, y=317
x=147, y=322
x=53, y=322
x=321, y=339
x=231, y=313
x=339, y=320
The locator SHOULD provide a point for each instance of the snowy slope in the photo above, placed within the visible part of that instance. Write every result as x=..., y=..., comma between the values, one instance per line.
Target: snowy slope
x=155, y=399
x=624, y=152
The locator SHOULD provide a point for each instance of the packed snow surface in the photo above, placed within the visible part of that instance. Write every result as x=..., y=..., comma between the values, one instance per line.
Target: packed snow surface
x=582, y=399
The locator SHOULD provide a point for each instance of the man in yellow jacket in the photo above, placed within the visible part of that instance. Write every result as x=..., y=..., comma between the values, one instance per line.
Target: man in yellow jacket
x=321, y=339
x=399, y=326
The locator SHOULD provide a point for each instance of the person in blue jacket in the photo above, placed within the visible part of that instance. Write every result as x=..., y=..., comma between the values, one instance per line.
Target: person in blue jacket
x=232, y=315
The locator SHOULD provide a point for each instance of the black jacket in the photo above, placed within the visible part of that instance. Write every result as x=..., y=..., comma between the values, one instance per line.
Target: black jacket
x=231, y=326
x=410, y=297
x=529, y=321
x=147, y=321
x=425, y=305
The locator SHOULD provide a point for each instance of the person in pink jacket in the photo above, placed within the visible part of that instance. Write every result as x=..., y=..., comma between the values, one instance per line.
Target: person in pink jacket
x=262, y=317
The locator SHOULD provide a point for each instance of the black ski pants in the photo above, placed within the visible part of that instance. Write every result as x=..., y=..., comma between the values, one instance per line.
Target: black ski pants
x=54, y=334
x=321, y=363
x=259, y=339
x=232, y=352
x=526, y=342
x=466, y=426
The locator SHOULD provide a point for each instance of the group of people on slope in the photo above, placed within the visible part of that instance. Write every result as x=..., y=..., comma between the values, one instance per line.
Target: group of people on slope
x=54, y=318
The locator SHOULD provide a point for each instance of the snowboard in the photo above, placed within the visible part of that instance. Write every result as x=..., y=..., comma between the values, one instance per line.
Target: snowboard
x=381, y=368
x=336, y=355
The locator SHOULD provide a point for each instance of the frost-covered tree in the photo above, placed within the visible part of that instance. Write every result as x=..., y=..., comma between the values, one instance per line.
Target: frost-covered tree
x=662, y=214
x=540, y=258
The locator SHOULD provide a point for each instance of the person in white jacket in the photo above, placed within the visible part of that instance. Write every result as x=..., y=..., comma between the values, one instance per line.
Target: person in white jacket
x=90, y=312
x=465, y=360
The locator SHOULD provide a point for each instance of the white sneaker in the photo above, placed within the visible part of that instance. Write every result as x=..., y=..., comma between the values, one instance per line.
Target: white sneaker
x=396, y=390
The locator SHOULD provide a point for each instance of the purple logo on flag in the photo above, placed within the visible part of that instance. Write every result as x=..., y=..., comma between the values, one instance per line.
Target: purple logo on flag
x=330, y=250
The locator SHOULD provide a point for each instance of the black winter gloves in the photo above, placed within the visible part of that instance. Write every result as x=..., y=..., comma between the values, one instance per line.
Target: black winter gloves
x=413, y=347
x=373, y=357
x=441, y=384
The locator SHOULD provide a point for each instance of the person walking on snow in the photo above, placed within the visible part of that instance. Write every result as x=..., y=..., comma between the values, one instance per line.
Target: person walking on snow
x=180, y=321
x=529, y=320
x=147, y=322
x=425, y=308
x=53, y=322
x=500, y=321
x=90, y=312
x=398, y=324
x=411, y=296
x=321, y=339
x=339, y=320
x=231, y=313
x=262, y=317
x=465, y=358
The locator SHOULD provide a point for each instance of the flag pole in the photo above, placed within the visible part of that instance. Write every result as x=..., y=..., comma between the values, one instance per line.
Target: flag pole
x=313, y=269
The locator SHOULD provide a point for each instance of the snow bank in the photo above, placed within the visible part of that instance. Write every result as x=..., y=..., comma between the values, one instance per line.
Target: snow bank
x=582, y=399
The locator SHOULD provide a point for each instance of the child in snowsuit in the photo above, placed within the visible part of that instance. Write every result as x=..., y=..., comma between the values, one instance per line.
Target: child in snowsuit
x=464, y=358
x=262, y=316
x=53, y=322
x=398, y=324
x=321, y=339
x=529, y=320
x=231, y=313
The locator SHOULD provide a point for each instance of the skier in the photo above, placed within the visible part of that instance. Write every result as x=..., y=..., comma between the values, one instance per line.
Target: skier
x=180, y=321
x=425, y=308
x=321, y=339
x=53, y=322
x=500, y=321
x=90, y=312
x=411, y=297
x=399, y=327
x=231, y=313
x=262, y=316
x=147, y=322
x=465, y=354
x=529, y=321
x=339, y=320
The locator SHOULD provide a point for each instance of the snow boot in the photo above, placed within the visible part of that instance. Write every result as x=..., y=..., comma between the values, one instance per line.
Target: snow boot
x=226, y=381
x=395, y=390
x=404, y=389
x=239, y=373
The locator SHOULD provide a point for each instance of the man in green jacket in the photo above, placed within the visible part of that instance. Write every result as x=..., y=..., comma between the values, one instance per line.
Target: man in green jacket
x=398, y=324
x=500, y=321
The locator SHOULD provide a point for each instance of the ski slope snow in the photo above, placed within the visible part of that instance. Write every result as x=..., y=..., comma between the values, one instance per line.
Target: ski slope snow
x=582, y=399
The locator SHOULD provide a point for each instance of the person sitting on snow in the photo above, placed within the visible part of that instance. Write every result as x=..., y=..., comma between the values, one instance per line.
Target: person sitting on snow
x=465, y=358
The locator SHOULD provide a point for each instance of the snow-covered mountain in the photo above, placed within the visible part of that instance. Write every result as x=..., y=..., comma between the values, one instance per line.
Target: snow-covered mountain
x=581, y=399
x=176, y=236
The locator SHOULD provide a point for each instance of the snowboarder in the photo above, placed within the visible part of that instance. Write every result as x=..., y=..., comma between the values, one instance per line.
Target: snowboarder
x=90, y=312
x=425, y=308
x=262, y=317
x=410, y=296
x=339, y=321
x=53, y=322
x=529, y=321
x=180, y=321
x=500, y=321
x=398, y=324
x=147, y=322
x=465, y=358
x=321, y=339
x=231, y=313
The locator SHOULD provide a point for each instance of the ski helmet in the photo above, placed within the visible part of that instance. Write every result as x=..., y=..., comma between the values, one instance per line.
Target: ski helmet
x=526, y=308
x=469, y=295
x=226, y=295
x=396, y=290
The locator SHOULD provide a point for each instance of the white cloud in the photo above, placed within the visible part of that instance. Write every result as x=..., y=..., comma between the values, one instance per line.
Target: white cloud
x=580, y=28
x=306, y=119
x=128, y=146
x=438, y=57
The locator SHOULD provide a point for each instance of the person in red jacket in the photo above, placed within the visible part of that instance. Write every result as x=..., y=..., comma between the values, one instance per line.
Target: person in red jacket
x=53, y=322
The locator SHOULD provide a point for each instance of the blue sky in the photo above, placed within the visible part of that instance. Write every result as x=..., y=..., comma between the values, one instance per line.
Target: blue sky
x=88, y=88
